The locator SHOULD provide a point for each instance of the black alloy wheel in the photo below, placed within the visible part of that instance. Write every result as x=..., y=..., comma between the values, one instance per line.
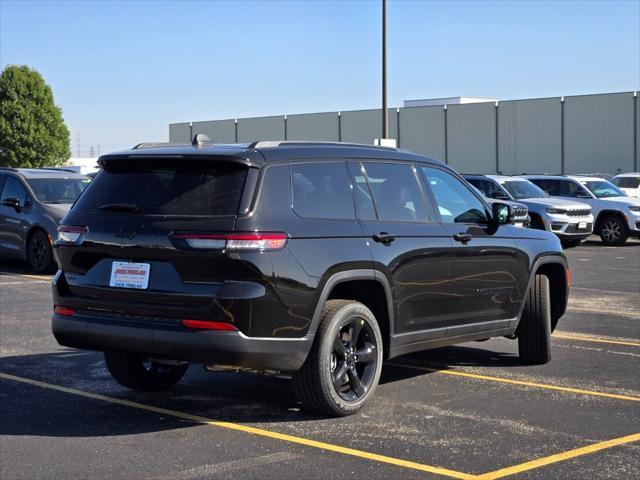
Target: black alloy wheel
x=40, y=253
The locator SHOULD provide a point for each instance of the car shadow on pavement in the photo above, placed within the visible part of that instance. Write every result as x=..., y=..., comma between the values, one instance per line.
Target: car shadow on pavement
x=238, y=397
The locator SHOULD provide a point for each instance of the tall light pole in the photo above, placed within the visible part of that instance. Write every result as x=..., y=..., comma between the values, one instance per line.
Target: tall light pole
x=385, y=120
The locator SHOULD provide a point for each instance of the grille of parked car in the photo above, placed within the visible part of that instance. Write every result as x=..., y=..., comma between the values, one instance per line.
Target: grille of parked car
x=579, y=212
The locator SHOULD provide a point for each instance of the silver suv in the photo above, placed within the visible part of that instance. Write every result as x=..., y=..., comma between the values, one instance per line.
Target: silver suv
x=617, y=215
x=572, y=222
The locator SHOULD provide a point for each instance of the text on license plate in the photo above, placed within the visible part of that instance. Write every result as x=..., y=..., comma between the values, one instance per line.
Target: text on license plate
x=129, y=275
x=582, y=225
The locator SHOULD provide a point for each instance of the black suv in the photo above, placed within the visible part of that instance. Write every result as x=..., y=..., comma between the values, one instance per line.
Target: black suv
x=316, y=259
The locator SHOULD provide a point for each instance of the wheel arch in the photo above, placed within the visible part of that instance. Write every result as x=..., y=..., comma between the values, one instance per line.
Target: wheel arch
x=558, y=275
x=365, y=286
x=607, y=213
x=32, y=230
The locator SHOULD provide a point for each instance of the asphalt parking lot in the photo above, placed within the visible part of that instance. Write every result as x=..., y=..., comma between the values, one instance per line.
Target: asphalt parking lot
x=469, y=411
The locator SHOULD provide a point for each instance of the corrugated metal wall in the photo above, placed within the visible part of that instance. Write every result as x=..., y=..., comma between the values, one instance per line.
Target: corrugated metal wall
x=471, y=137
x=323, y=127
x=578, y=134
x=530, y=136
x=599, y=133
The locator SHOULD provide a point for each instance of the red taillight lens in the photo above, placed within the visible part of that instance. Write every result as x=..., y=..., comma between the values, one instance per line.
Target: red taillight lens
x=235, y=241
x=208, y=325
x=67, y=312
x=71, y=233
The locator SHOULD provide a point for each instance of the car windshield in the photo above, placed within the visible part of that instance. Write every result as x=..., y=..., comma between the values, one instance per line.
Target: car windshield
x=626, y=182
x=603, y=189
x=522, y=189
x=58, y=190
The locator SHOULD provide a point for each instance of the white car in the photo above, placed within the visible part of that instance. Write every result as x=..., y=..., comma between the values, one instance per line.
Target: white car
x=617, y=214
x=629, y=183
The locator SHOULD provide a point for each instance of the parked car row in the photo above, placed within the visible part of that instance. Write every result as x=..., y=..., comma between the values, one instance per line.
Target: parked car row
x=570, y=206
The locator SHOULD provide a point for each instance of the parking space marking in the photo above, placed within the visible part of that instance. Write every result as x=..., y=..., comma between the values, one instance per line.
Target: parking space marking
x=24, y=282
x=246, y=429
x=559, y=457
x=523, y=383
x=215, y=469
x=25, y=275
x=584, y=338
x=616, y=313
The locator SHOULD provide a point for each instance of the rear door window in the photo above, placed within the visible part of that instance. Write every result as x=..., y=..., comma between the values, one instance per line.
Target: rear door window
x=158, y=188
x=322, y=190
x=396, y=192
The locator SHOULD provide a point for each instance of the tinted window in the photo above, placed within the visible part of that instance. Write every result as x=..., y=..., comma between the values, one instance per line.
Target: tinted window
x=158, y=188
x=322, y=190
x=603, y=189
x=523, y=189
x=456, y=203
x=622, y=182
x=396, y=192
x=13, y=189
x=561, y=188
x=488, y=188
x=57, y=190
x=364, y=201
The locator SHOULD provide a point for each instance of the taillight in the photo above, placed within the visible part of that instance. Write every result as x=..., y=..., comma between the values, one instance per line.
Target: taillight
x=67, y=312
x=235, y=241
x=71, y=234
x=209, y=325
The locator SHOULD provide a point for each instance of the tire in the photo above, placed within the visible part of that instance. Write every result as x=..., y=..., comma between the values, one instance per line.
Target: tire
x=135, y=372
x=534, y=330
x=613, y=230
x=40, y=253
x=319, y=383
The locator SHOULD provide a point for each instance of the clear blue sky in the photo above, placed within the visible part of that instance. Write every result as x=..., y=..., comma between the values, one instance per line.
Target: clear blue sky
x=122, y=71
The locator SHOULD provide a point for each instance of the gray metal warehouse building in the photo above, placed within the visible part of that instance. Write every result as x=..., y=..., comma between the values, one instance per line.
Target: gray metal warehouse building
x=573, y=134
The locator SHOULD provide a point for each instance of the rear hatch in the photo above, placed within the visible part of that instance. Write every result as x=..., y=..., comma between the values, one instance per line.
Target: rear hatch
x=130, y=257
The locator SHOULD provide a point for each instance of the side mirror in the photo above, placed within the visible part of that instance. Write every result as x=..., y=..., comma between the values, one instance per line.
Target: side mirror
x=12, y=202
x=501, y=213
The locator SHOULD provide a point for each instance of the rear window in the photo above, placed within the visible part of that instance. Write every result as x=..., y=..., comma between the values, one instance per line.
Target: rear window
x=160, y=189
x=626, y=182
x=322, y=190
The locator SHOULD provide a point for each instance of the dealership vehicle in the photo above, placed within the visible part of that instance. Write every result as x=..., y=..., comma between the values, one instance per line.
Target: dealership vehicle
x=629, y=183
x=319, y=259
x=572, y=222
x=617, y=215
x=32, y=203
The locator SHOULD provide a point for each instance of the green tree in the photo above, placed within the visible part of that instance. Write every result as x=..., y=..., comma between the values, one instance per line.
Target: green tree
x=32, y=131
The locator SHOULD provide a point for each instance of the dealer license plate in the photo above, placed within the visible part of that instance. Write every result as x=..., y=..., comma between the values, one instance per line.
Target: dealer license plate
x=582, y=225
x=130, y=275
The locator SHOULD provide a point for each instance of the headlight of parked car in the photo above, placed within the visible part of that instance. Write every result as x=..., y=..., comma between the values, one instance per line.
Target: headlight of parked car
x=635, y=209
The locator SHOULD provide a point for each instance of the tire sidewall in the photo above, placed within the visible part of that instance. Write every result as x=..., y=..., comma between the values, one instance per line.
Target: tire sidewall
x=48, y=266
x=623, y=231
x=326, y=347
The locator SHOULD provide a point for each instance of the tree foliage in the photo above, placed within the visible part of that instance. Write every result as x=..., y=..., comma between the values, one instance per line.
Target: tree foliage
x=32, y=131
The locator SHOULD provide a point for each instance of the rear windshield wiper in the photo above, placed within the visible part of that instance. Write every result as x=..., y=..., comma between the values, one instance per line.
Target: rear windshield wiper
x=120, y=207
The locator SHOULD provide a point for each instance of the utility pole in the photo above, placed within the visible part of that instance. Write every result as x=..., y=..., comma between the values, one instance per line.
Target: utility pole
x=385, y=120
x=78, y=151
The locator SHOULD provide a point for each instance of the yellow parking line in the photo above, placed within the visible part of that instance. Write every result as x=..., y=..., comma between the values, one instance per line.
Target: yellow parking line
x=559, y=457
x=36, y=277
x=243, y=428
x=523, y=383
x=617, y=313
x=584, y=338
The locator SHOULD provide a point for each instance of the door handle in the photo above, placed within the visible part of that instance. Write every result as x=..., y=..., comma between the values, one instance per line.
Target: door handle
x=383, y=237
x=462, y=237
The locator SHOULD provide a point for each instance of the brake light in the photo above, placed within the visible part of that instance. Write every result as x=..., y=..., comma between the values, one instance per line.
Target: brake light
x=67, y=312
x=235, y=241
x=71, y=234
x=208, y=325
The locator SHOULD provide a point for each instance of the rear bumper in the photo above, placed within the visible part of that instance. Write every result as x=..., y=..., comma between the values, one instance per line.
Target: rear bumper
x=197, y=346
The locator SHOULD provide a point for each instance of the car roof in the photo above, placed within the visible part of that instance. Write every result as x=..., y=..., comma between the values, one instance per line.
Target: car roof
x=629, y=174
x=44, y=173
x=498, y=178
x=582, y=178
x=258, y=153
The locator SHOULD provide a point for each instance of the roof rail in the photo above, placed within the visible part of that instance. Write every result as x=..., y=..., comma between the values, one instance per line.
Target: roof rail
x=157, y=144
x=284, y=143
